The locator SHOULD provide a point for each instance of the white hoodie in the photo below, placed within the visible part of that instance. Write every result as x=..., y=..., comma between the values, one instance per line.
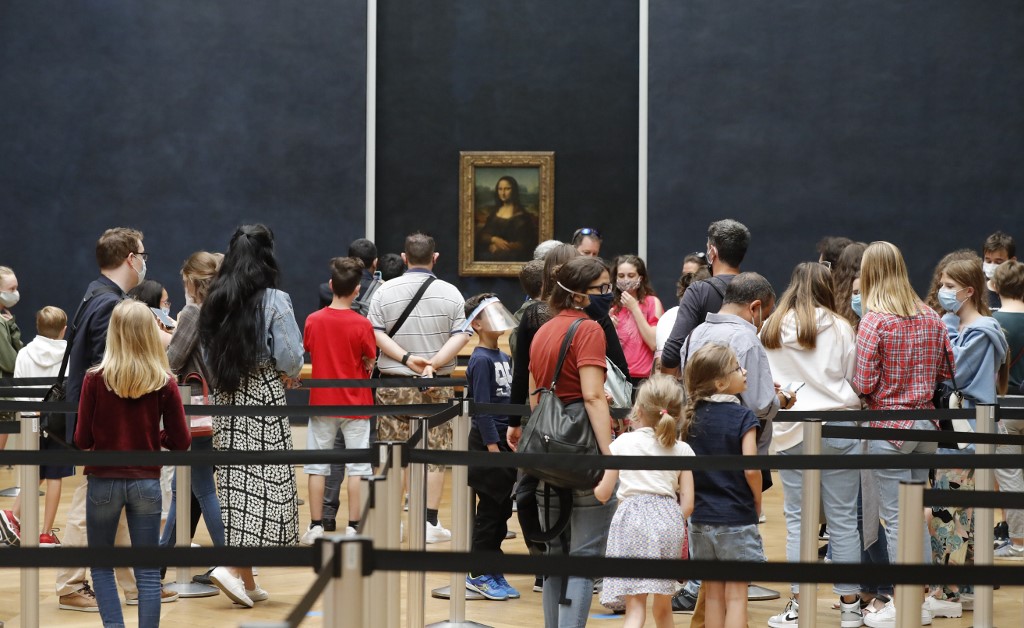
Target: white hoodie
x=826, y=370
x=40, y=358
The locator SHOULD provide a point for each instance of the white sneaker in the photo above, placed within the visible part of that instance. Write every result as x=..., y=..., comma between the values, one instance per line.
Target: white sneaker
x=850, y=615
x=232, y=586
x=886, y=617
x=787, y=618
x=1009, y=551
x=942, y=608
x=258, y=594
x=312, y=534
x=438, y=533
x=350, y=531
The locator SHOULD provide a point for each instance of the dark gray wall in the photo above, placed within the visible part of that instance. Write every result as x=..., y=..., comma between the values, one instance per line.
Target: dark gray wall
x=183, y=120
x=506, y=75
x=871, y=119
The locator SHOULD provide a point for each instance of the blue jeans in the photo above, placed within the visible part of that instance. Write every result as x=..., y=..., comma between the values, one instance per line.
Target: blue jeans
x=205, y=490
x=889, y=489
x=140, y=499
x=839, y=489
x=588, y=528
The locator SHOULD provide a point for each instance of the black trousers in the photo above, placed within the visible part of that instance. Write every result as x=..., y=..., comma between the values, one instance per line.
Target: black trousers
x=493, y=488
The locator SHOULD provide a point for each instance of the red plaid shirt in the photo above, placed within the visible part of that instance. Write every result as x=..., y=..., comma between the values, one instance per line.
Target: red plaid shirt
x=899, y=362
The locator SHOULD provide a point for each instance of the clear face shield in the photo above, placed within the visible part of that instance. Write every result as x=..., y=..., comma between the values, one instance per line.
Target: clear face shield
x=493, y=316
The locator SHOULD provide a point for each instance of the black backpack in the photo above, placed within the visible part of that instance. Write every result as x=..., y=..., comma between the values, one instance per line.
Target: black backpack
x=362, y=303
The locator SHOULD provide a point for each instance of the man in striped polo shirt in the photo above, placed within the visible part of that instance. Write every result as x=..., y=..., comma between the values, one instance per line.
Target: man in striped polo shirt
x=425, y=344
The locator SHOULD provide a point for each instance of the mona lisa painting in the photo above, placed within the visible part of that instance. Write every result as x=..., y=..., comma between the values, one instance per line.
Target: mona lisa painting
x=505, y=210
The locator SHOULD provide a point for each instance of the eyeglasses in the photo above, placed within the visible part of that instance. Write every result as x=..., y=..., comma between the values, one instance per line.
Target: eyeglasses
x=737, y=369
x=605, y=288
x=827, y=264
x=586, y=231
x=144, y=256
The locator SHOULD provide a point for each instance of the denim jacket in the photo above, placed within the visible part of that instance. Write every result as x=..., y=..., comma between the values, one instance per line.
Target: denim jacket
x=284, y=339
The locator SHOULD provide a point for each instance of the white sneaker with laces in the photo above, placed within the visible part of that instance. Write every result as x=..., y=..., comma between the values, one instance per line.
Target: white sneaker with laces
x=788, y=618
x=312, y=534
x=1010, y=551
x=886, y=617
x=438, y=533
x=258, y=594
x=850, y=615
x=943, y=608
x=232, y=586
x=350, y=531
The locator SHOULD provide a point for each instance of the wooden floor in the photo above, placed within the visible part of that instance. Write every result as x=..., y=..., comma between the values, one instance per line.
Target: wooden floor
x=287, y=586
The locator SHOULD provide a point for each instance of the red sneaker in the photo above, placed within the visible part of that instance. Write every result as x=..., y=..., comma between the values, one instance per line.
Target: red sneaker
x=49, y=540
x=10, y=528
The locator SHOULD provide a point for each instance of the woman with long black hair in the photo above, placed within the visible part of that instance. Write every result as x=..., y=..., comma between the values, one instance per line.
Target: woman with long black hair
x=253, y=349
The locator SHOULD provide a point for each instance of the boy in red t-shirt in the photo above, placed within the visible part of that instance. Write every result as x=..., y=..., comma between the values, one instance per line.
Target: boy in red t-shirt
x=342, y=346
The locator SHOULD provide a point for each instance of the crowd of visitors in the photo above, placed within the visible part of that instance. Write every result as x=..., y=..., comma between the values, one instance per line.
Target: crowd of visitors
x=712, y=375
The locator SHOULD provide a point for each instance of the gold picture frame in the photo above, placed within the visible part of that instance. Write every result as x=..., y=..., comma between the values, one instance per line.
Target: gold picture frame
x=506, y=208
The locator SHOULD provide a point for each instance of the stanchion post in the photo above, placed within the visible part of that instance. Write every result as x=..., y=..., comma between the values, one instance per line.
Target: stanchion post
x=417, y=594
x=395, y=460
x=983, y=517
x=29, y=475
x=376, y=528
x=183, y=536
x=343, y=597
x=908, y=551
x=810, y=506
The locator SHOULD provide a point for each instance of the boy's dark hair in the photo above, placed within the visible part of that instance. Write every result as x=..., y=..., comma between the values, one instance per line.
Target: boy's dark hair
x=419, y=249
x=390, y=266
x=346, y=273
x=363, y=249
x=831, y=247
x=50, y=321
x=1000, y=241
x=731, y=239
x=474, y=301
x=531, y=277
x=749, y=287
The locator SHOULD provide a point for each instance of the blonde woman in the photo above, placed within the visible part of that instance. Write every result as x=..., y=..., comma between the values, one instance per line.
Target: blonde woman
x=810, y=346
x=903, y=351
x=122, y=404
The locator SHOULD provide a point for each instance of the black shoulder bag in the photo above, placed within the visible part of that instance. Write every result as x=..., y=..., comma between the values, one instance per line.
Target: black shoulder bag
x=554, y=428
x=54, y=424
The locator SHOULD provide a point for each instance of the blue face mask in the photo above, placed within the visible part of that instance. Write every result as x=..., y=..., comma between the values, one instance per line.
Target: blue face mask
x=948, y=300
x=855, y=305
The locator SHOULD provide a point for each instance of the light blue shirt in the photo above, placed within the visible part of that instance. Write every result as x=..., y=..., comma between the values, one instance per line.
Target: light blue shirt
x=283, y=336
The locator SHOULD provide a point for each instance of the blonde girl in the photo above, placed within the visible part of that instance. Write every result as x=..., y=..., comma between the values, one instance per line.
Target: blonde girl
x=122, y=404
x=649, y=522
x=726, y=503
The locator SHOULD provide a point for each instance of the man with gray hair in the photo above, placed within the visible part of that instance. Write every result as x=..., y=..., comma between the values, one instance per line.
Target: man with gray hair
x=728, y=241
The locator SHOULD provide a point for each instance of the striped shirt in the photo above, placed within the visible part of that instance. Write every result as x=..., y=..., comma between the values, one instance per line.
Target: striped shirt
x=432, y=322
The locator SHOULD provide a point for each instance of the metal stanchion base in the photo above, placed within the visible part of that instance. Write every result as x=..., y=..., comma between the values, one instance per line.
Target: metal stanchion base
x=14, y=491
x=191, y=589
x=447, y=624
x=757, y=593
x=445, y=593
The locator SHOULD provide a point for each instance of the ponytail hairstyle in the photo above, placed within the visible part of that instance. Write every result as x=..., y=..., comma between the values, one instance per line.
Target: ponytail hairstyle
x=134, y=362
x=708, y=364
x=659, y=404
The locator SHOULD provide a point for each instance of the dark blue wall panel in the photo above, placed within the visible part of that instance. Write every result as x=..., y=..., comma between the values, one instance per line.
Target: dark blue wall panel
x=183, y=120
x=870, y=119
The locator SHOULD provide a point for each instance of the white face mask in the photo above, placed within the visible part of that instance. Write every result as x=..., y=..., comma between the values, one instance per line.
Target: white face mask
x=141, y=273
x=989, y=269
x=9, y=299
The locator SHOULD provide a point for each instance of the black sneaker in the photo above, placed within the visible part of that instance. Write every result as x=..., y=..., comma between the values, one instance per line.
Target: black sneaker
x=204, y=578
x=330, y=525
x=1001, y=531
x=683, y=602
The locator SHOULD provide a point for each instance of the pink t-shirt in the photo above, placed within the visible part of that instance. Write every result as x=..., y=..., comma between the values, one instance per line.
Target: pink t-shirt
x=638, y=355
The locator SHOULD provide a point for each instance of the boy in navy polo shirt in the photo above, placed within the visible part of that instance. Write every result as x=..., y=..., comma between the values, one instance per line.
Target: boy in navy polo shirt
x=490, y=381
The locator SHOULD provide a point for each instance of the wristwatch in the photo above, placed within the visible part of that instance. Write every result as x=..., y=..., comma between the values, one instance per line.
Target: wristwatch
x=405, y=358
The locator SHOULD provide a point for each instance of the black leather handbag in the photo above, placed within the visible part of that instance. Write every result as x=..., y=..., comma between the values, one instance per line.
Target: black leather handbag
x=557, y=428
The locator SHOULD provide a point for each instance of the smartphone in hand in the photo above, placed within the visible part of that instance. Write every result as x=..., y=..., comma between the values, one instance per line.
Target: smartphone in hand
x=792, y=387
x=164, y=319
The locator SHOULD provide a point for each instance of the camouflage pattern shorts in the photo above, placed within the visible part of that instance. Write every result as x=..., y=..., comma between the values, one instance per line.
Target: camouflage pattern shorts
x=397, y=427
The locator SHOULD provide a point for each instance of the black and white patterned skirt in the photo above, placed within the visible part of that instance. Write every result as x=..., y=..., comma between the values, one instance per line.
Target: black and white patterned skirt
x=258, y=503
x=644, y=526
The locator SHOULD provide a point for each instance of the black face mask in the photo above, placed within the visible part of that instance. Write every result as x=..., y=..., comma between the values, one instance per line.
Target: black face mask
x=599, y=306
